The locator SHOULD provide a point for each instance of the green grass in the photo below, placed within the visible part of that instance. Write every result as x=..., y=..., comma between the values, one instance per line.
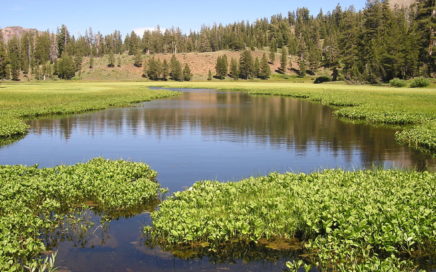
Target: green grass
x=349, y=221
x=36, y=201
x=26, y=100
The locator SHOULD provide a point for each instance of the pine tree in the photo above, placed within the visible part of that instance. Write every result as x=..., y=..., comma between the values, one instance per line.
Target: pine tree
x=65, y=67
x=154, y=69
x=265, y=70
x=145, y=67
x=246, y=65
x=234, y=69
x=256, y=70
x=165, y=70
x=14, y=59
x=78, y=59
x=138, y=59
x=284, y=60
x=221, y=67
x=111, y=60
x=187, y=73
x=176, y=69
x=62, y=38
x=272, y=55
x=209, y=75
x=3, y=58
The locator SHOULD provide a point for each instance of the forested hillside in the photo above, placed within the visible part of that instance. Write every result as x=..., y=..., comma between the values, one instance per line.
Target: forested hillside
x=373, y=45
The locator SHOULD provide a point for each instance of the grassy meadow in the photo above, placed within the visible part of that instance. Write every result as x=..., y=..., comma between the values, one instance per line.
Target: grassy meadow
x=19, y=101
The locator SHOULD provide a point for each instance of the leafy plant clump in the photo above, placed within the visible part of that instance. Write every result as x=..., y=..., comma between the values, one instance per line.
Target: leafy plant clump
x=398, y=83
x=36, y=201
x=322, y=79
x=420, y=82
x=423, y=136
x=350, y=221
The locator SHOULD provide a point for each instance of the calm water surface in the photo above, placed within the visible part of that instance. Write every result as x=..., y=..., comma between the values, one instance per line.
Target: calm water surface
x=202, y=134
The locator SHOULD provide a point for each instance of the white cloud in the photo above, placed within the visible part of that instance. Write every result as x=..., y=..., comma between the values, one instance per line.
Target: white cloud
x=140, y=30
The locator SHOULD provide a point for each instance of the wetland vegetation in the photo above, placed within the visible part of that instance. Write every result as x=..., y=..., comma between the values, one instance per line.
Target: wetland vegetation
x=349, y=221
x=41, y=200
x=371, y=113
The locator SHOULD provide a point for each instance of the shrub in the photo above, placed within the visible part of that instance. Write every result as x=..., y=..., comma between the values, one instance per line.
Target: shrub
x=398, y=83
x=322, y=79
x=419, y=82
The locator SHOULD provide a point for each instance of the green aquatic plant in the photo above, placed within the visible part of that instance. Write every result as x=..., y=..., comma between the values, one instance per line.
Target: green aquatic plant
x=423, y=136
x=349, y=221
x=36, y=201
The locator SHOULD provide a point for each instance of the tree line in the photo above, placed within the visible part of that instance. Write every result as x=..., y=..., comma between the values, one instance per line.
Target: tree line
x=372, y=45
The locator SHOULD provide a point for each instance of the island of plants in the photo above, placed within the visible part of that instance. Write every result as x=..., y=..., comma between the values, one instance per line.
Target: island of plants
x=375, y=220
x=39, y=200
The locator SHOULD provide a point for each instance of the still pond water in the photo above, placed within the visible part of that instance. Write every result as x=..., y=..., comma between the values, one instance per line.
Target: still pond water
x=201, y=135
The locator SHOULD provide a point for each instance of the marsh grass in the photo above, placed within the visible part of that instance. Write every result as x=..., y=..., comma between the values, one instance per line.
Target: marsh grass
x=29, y=100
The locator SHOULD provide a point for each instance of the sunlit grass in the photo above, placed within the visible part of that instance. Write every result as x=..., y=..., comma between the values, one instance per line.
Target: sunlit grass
x=26, y=100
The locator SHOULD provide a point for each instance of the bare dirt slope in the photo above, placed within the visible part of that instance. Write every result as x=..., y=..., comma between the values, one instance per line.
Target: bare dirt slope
x=12, y=31
x=200, y=64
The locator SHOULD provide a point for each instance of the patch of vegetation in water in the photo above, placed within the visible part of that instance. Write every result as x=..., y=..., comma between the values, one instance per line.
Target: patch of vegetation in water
x=19, y=101
x=422, y=136
x=375, y=220
x=38, y=201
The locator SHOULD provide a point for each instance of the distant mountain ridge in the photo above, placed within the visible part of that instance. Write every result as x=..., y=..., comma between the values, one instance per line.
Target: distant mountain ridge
x=15, y=31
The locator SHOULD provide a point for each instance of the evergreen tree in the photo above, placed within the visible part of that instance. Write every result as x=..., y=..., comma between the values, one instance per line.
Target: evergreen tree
x=14, y=59
x=256, y=70
x=111, y=60
x=187, y=73
x=209, y=75
x=221, y=67
x=234, y=69
x=425, y=28
x=154, y=69
x=272, y=55
x=246, y=65
x=138, y=59
x=65, y=67
x=284, y=60
x=62, y=38
x=165, y=70
x=145, y=67
x=78, y=59
x=176, y=69
x=3, y=58
x=265, y=70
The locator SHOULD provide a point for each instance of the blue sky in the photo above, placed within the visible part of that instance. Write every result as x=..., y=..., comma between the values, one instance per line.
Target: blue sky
x=127, y=15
